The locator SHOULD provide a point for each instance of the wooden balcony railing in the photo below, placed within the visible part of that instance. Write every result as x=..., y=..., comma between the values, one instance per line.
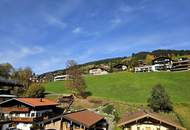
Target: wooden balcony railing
x=22, y=119
x=26, y=119
x=12, y=109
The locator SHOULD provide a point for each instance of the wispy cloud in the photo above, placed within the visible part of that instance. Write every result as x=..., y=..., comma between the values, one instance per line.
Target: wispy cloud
x=131, y=9
x=48, y=64
x=77, y=30
x=56, y=21
x=116, y=21
x=14, y=55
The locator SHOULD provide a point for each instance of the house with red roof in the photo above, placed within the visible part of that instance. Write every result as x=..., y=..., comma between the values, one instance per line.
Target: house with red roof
x=23, y=113
x=84, y=120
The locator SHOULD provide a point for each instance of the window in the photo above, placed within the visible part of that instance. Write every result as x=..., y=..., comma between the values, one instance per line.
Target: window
x=68, y=125
x=148, y=128
x=32, y=114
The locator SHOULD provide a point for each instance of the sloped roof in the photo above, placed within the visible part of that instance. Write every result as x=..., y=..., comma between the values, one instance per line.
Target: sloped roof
x=129, y=118
x=34, y=102
x=8, y=82
x=84, y=117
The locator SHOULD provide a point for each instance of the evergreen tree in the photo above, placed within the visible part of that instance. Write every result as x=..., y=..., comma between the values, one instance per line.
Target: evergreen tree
x=159, y=99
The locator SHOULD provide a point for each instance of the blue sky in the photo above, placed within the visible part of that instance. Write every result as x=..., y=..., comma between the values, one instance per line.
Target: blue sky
x=44, y=34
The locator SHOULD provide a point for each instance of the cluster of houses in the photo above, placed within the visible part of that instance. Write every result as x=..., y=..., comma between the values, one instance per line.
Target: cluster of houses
x=165, y=64
x=41, y=113
x=158, y=64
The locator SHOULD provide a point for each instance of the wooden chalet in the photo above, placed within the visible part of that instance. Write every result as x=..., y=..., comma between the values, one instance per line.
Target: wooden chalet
x=180, y=65
x=84, y=120
x=120, y=67
x=23, y=113
x=143, y=120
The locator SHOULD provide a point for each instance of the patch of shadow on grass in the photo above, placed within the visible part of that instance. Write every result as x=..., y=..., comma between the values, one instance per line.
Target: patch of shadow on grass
x=86, y=94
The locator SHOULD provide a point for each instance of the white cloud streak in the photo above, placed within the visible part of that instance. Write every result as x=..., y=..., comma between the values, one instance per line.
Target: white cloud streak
x=14, y=55
x=77, y=30
x=56, y=21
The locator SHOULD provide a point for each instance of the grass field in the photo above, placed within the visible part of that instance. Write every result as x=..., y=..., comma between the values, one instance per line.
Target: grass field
x=133, y=87
x=183, y=111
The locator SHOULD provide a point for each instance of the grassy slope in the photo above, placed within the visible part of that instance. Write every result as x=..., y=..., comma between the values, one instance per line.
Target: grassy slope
x=183, y=111
x=133, y=87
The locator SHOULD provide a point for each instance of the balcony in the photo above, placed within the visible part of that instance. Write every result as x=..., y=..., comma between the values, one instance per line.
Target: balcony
x=26, y=119
x=22, y=119
x=12, y=109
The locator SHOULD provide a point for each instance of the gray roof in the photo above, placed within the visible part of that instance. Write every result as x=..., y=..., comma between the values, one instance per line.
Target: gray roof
x=8, y=82
x=7, y=96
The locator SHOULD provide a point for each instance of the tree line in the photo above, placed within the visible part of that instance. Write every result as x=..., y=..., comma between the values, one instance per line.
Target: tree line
x=22, y=76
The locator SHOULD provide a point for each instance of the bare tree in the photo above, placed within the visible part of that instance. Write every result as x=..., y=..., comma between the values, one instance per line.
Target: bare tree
x=76, y=81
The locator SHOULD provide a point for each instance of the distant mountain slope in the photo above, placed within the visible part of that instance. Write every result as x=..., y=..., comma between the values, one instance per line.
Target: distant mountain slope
x=122, y=60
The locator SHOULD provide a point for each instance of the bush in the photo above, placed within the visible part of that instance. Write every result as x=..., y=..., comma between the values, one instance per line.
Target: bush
x=35, y=91
x=159, y=99
x=108, y=109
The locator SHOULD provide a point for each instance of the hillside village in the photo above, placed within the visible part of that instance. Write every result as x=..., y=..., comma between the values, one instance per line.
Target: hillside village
x=94, y=65
x=41, y=113
x=158, y=60
x=71, y=112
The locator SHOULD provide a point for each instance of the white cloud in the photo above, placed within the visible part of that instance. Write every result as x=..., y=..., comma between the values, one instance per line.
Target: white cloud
x=116, y=21
x=130, y=9
x=56, y=21
x=32, y=50
x=77, y=30
x=16, y=54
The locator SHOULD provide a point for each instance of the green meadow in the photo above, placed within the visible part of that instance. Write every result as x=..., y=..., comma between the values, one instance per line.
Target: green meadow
x=132, y=87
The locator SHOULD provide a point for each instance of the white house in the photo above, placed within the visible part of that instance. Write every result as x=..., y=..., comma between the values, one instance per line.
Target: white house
x=61, y=77
x=158, y=64
x=98, y=71
x=147, y=68
x=162, y=64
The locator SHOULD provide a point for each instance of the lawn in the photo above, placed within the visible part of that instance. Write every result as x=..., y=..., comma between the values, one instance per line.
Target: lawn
x=183, y=111
x=133, y=87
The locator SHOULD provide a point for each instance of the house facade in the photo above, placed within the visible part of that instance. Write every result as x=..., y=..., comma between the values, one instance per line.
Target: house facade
x=98, y=71
x=162, y=64
x=120, y=67
x=158, y=64
x=143, y=120
x=23, y=113
x=147, y=68
x=61, y=77
x=181, y=64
